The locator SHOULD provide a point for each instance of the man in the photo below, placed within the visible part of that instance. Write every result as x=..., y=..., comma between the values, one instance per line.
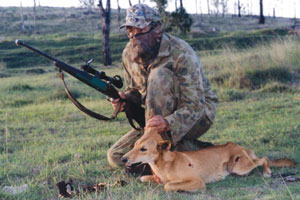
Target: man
x=168, y=74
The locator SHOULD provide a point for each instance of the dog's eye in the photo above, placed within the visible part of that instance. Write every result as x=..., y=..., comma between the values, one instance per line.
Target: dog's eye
x=143, y=149
x=237, y=159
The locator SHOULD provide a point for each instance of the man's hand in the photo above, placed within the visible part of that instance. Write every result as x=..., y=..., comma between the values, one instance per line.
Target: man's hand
x=159, y=122
x=116, y=102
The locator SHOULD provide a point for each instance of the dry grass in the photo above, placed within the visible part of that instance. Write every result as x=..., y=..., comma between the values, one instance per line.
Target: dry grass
x=240, y=68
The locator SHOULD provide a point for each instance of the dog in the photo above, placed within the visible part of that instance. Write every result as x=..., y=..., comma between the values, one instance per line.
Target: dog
x=190, y=171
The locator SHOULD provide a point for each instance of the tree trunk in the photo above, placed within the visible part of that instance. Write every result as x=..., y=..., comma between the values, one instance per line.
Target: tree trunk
x=34, y=18
x=105, y=16
x=119, y=16
x=208, y=10
x=181, y=5
x=295, y=11
x=22, y=18
x=261, y=16
x=223, y=8
x=201, y=14
x=130, y=4
x=239, y=8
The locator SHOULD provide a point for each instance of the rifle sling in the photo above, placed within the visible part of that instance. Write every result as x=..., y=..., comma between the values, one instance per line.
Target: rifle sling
x=81, y=107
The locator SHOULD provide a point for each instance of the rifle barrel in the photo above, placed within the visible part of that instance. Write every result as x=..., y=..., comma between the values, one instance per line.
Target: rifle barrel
x=21, y=43
x=83, y=76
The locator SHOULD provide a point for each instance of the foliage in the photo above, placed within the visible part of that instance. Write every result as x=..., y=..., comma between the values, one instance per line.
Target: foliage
x=181, y=21
x=87, y=3
x=161, y=6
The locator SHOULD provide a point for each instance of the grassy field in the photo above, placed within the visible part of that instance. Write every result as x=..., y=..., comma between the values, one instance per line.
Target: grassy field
x=44, y=138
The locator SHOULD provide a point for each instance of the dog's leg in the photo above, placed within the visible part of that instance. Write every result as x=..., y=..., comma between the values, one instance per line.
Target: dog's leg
x=264, y=162
x=191, y=185
x=266, y=165
x=255, y=161
x=147, y=178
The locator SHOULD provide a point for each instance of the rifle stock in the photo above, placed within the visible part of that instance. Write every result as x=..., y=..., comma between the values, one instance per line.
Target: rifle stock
x=133, y=111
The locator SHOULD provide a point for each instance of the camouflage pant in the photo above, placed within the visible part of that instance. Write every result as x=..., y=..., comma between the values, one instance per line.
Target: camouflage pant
x=162, y=98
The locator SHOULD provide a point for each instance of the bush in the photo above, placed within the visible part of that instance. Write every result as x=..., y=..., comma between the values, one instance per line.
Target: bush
x=255, y=78
x=20, y=87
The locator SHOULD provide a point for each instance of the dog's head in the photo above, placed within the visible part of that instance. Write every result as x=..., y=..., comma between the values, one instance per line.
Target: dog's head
x=240, y=164
x=147, y=149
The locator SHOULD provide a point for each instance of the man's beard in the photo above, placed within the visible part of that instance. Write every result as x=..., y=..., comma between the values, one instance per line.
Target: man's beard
x=144, y=50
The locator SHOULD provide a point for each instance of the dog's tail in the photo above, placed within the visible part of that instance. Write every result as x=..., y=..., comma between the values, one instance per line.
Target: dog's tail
x=285, y=162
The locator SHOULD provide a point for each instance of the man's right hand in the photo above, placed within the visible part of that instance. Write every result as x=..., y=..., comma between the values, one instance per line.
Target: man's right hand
x=116, y=102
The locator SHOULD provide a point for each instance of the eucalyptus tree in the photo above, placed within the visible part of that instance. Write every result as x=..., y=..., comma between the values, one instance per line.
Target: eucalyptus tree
x=261, y=13
x=106, y=19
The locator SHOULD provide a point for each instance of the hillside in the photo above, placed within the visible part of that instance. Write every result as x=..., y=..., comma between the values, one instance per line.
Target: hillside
x=44, y=138
x=74, y=34
x=51, y=20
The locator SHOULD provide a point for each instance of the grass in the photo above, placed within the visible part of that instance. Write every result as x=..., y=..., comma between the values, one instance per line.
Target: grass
x=256, y=67
x=45, y=139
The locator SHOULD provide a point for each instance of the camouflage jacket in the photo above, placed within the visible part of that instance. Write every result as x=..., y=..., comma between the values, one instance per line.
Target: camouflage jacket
x=196, y=97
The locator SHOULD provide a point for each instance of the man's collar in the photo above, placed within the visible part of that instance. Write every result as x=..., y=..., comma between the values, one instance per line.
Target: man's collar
x=164, y=49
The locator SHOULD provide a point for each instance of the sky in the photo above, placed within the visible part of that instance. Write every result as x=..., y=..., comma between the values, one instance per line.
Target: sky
x=283, y=8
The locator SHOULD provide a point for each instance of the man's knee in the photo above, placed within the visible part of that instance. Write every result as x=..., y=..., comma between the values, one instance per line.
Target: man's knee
x=121, y=147
x=114, y=158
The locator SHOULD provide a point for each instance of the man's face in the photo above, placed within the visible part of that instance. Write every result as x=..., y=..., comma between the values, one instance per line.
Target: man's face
x=142, y=41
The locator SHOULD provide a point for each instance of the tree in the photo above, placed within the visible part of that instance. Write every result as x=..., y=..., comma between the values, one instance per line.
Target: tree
x=130, y=4
x=119, y=14
x=208, y=10
x=34, y=18
x=161, y=6
x=180, y=20
x=224, y=4
x=181, y=5
x=239, y=8
x=105, y=17
x=261, y=16
x=201, y=13
x=216, y=4
x=90, y=4
x=22, y=18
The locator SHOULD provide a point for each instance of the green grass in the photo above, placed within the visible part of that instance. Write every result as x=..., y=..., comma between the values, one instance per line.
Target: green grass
x=42, y=133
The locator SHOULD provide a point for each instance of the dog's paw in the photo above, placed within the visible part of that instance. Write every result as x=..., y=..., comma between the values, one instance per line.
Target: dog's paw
x=267, y=174
x=143, y=179
x=147, y=178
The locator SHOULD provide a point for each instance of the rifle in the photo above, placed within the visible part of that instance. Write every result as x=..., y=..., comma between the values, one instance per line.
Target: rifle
x=99, y=81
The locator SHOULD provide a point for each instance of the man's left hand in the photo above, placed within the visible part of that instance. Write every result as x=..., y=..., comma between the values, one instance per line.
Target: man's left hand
x=159, y=122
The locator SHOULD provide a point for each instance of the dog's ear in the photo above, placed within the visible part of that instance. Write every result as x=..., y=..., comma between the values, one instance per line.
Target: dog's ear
x=163, y=146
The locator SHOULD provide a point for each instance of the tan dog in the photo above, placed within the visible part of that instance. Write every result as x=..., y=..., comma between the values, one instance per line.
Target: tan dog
x=189, y=171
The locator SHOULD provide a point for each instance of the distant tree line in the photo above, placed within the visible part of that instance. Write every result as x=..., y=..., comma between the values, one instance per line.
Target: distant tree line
x=178, y=21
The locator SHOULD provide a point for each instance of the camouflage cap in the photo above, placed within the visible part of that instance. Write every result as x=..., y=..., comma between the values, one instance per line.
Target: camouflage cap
x=140, y=16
